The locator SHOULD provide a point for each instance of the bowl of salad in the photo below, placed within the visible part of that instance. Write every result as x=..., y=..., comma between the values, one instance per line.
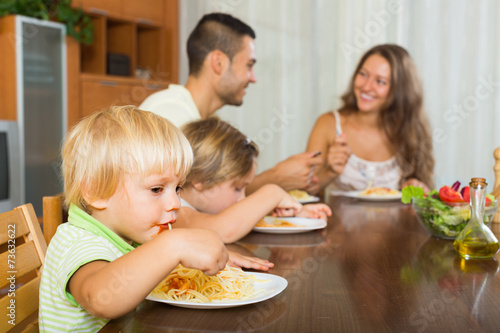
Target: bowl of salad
x=445, y=212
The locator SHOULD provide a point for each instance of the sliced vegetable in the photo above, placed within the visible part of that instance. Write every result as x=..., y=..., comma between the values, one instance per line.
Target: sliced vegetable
x=447, y=194
x=465, y=192
x=455, y=186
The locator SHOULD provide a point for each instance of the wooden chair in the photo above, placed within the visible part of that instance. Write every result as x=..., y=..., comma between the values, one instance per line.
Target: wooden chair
x=53, y=213
x=22, y=255
x=496, y=186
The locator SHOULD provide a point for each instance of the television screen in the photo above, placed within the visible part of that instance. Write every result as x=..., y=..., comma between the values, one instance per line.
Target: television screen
x=4, y=167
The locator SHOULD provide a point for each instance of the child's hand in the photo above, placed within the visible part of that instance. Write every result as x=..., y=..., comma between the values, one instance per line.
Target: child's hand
x=202, y=249
x=315, y=211
x=288, y=206
x=241, y=261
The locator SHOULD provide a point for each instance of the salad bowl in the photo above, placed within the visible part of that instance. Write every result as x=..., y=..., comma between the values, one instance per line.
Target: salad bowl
x=446, y=220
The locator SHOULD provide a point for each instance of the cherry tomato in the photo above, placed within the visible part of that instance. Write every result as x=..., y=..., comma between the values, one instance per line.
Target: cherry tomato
x=446, y=194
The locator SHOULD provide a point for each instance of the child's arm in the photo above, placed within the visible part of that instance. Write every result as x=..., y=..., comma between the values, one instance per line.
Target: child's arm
x=111, y=289
x=239, y=219
x=315, y=211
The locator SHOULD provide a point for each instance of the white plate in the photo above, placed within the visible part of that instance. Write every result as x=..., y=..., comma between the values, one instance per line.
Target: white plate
x=308, y=199
x=305, y=225
x=302, y=196
x=270, y=285
x=358, y=195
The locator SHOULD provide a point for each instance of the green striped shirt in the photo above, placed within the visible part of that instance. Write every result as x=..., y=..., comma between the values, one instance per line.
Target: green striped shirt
x=75, y=244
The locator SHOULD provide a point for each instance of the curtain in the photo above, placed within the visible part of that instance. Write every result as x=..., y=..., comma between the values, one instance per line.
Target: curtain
x=307, y=50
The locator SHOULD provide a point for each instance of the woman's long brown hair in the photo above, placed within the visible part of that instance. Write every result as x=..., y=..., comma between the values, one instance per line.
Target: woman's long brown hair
x=402, y=117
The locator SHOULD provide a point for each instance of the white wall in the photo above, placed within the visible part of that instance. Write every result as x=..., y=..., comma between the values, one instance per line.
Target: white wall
x=307, y=51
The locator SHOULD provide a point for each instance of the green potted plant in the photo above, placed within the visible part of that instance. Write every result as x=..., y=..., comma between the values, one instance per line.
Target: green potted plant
x=78, y=24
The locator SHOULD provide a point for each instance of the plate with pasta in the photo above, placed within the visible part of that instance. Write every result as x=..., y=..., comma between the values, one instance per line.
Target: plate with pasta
x=302, y=196
x=374, y=194
x=288, y=225
x=231, y=287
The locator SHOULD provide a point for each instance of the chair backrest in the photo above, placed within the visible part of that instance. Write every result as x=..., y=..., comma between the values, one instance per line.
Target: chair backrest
x=22, y=255
x=53, y=212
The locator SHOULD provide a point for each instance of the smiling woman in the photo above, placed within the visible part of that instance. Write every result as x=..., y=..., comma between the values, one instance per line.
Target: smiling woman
x=373, y=83
x=382, y=136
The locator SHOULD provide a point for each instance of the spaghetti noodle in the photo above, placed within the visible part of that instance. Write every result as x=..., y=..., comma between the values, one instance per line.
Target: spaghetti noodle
x=276, y=223
x=192, y=285
x=379, y=191
x=300, y=195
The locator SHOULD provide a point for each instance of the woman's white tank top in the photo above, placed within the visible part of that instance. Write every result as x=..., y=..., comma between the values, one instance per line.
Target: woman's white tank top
x=358, y=172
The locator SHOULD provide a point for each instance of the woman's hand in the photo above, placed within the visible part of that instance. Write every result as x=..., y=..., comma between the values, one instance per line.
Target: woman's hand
x=338, y=154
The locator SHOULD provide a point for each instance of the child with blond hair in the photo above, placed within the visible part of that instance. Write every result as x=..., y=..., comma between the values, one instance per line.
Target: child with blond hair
x=123, y=169
x=213, y=196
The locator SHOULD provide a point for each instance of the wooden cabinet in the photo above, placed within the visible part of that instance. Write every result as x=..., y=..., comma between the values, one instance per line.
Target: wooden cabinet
x=134, y=53
x=108, y=7
x=99, y=92
x=145, y=11
x=8, y=79
x=140, y=11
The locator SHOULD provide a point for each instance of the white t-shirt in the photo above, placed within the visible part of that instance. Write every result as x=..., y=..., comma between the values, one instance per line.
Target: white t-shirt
x=175, y=104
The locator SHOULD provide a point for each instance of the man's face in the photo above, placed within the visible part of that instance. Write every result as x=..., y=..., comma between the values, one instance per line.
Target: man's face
x=239, y=74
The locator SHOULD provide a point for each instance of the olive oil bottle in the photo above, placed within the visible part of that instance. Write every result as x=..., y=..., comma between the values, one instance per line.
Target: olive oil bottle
x=476, y=241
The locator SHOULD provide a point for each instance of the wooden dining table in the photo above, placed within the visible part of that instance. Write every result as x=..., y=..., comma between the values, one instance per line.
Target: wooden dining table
x=374, y=268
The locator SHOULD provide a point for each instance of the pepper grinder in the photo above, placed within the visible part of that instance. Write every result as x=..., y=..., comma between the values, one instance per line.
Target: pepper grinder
x=496, y=186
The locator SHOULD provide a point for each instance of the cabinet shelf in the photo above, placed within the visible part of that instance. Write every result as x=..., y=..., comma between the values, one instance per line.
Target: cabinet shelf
x=134, y=53
x=143, y=46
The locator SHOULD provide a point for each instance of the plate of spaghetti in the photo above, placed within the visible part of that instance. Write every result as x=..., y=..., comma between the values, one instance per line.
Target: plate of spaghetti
x=288, y=225
x=302, y=196
x=373, y=194
x=231, y=287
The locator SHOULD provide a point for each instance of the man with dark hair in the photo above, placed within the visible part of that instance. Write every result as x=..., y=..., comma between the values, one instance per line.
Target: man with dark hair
x=221, y=52
x=216, y=32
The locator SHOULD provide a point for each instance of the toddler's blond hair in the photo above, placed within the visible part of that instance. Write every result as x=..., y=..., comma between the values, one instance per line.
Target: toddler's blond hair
x=108, y=144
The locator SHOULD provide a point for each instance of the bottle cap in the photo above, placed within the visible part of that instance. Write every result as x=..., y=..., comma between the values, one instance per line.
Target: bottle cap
x=477, y=182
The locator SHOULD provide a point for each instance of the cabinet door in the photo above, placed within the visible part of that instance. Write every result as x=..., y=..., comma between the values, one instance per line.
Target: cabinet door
x=144, y=11
x=108, y=7
x=100, y=94
x=42, y=114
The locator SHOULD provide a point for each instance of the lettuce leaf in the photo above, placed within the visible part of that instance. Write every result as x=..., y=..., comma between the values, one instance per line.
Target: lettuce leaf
x=410, y=192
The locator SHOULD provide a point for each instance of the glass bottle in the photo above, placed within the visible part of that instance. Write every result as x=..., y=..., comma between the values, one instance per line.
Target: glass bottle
x=476, y=241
